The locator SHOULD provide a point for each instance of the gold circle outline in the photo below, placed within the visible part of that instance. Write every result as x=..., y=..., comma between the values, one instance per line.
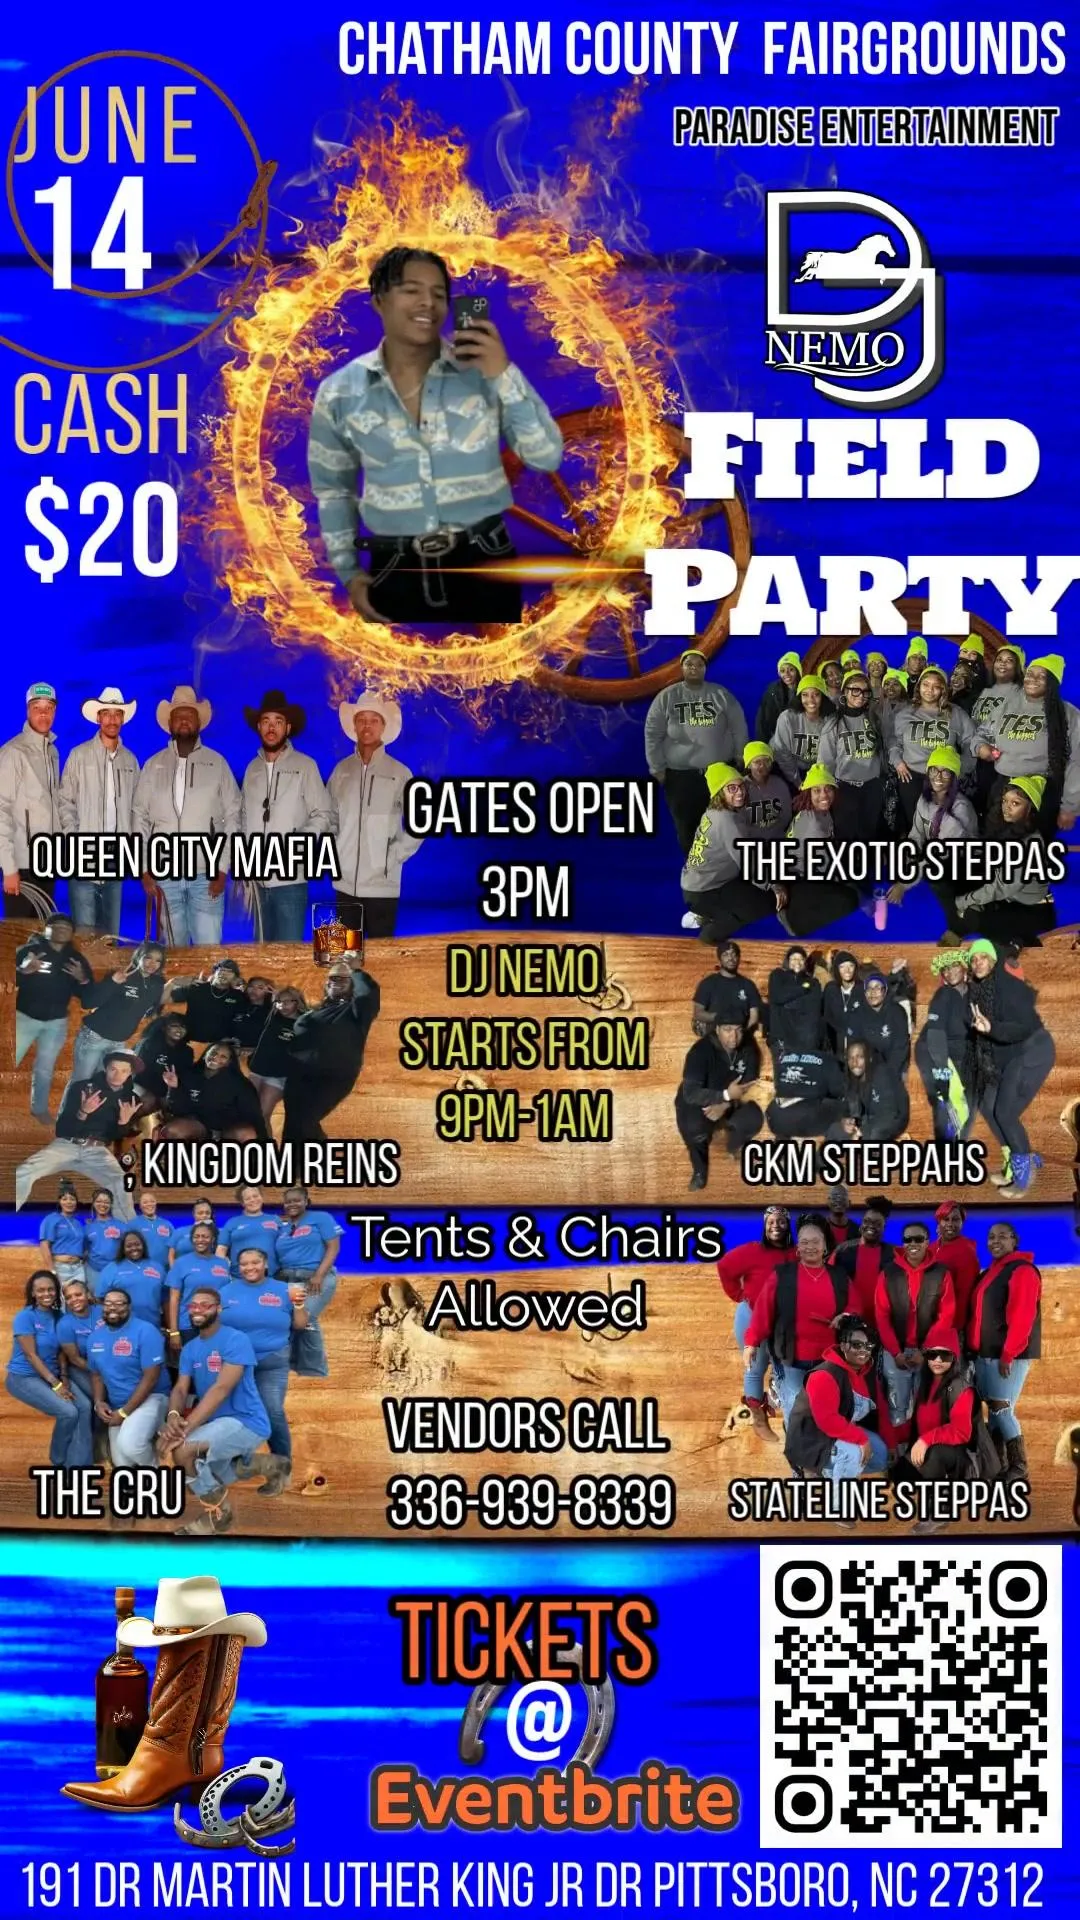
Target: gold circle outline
x=165, y=286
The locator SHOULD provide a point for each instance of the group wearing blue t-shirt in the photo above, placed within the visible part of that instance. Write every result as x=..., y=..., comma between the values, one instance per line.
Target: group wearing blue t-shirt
x=189, y=1273
x=121, y=1356
x=65, y=1235
x=245, y=1230
x=103, y=1239
x=157, y=1233
x=71, y=1444
x=264, y=1312
x=144, y=1283
x=202, y=1363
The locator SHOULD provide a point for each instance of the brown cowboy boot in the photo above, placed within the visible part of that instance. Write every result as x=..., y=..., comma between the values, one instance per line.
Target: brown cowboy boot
x=759, y=1421
x=183, y=1742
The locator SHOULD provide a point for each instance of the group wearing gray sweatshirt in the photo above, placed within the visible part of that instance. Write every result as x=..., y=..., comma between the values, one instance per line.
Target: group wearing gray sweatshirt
x=795, y=743
x=916, y=732
x=1020, y=736
x=713, y=859
x=851, y=747
x=694, y=727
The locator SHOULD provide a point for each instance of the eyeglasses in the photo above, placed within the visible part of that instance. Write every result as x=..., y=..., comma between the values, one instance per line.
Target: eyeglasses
x=915, y=1239
x=858, y=1346
x=939, y=1353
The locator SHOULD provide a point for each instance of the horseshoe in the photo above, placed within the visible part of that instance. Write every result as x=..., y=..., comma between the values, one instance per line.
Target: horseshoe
x=598, y=1727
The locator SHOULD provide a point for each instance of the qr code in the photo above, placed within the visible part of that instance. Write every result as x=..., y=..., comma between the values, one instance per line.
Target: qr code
x=910, y=1698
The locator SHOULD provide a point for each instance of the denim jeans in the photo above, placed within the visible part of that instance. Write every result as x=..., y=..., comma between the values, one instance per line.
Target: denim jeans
x=845, y=1461
x=195, y=918
x=132, y=1445
x=79, y=1381
x=90, y=1050
x=284, y=911
x=47, y=1038
x=272, y=1384
x=753, y=1385
x=789, y=1386
x=229, y=1441
x=70, y=1444
x=307, y=1349
x=95, y=905
x=75, y=1156
x=989, y=1385
x=899, y=1388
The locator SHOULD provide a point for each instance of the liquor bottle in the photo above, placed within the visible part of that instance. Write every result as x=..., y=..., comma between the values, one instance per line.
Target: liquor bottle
x=121, y=1698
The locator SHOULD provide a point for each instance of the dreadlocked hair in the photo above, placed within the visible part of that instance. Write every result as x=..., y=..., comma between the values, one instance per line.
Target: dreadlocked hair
x=389, y=270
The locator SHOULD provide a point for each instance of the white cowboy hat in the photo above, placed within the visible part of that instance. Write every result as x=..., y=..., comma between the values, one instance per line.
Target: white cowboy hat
x=109, y=697
x=183, y=697
x=371, y=703
x=190, y=1610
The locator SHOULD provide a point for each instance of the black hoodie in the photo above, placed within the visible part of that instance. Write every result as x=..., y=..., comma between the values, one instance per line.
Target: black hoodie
x=222, y=1100
x=329, y=1040
x=841, y=1005
x=115, y=1008
x=158, y=1054
x=103, y=1126
x=796, y=1019
x=45, y=993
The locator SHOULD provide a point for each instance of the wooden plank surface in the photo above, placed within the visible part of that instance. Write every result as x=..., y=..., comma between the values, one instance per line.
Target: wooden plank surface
x=685, y=1357
x=646, y=1163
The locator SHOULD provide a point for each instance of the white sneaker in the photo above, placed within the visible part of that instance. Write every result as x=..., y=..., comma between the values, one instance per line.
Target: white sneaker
x=691, y=920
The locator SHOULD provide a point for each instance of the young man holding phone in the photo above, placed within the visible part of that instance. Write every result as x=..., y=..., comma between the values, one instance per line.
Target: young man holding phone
x=418, y=423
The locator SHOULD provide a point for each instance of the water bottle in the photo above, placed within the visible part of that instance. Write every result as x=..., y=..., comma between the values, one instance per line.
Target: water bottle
x=881, y=909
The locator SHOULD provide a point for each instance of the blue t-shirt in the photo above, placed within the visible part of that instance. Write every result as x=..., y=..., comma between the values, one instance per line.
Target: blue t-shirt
x=202, y=1363
x=181, y=1240
x=64, y=1234
x=40, y=1323
x=302, y=1243
x=122, y=1354
x=264, y=1313
x=259, y=1230
x=157, y=1233
x=144, y=1282
x=195, y=1270
x=103, y=1239
x=74, y=1329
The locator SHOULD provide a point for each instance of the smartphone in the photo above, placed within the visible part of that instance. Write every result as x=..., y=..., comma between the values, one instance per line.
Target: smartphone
x=469, y=308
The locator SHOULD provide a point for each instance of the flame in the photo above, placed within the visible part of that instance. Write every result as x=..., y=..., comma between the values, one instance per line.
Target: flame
x=404, y=179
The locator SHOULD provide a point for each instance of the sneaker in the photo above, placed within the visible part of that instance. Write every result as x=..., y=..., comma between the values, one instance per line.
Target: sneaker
x=691, y=921
x=696, y=1182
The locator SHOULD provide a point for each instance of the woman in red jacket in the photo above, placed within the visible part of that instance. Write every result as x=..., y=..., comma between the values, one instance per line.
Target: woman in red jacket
x=796, y=1310
x=743, y=1273
x=1004, y=1332
x=824, y=1433
x=959, y=1254
x=943, y=1413
x=911, y=1296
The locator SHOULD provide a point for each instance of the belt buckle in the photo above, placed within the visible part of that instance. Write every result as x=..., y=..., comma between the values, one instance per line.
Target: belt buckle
x=432, y=546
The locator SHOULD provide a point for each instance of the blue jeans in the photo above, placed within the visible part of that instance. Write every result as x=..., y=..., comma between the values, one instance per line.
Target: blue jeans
x=307, y=1349
x=272, y=1384
x=90, y=1051
x=846, y=1463
x=70, y=1444
x=229, y=1441
x=899, y=1388
x=196, y=919
x=753, y=1385
x=789, y=1386
x=989, y=1386
x=95, y=905
x=284, y=911
x=47, y=1038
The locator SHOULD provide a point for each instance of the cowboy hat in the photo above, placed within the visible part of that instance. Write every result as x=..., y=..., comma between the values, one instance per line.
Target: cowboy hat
x=275, y=702
x=371, y=703
x=109, y=697
x=183, y=697
x=190, y=1610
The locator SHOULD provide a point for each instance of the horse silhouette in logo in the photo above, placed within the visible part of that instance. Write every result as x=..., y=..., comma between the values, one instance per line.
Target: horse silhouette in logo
x=859, y=263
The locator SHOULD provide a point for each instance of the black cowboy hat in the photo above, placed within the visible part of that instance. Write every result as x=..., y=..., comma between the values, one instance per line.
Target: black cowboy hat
x=275, y=702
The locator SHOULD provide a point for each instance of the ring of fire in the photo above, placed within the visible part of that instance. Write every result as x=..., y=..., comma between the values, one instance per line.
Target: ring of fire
x=410, y=183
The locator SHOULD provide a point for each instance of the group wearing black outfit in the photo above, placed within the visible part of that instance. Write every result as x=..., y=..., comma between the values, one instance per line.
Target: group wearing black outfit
x=184, y=1044
x=839, y=1033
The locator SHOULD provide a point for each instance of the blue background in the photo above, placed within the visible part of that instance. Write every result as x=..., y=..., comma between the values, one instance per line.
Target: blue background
x=326, y=1697
x=1000, y=224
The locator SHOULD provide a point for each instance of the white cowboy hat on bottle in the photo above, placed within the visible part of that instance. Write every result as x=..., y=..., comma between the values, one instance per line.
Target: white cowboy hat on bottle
x=108, y=697
x=183, y=697
x=190, y=1610
x=388, y=710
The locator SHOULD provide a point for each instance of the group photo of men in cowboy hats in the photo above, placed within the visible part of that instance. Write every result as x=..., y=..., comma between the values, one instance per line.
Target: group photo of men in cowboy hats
x=188, y=788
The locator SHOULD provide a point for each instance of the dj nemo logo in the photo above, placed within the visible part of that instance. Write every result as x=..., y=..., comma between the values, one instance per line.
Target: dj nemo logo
x=856, y=356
